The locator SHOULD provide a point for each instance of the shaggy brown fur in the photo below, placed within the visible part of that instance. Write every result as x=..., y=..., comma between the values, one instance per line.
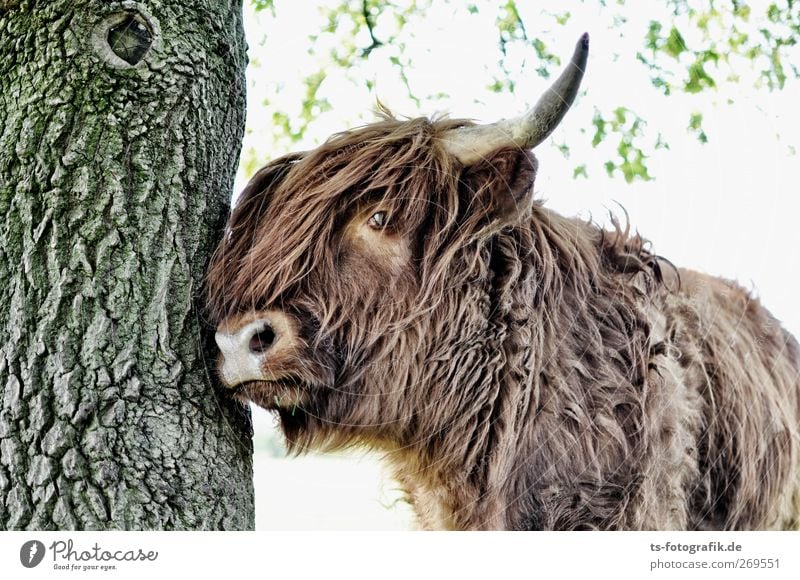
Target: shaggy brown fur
x=520, y=369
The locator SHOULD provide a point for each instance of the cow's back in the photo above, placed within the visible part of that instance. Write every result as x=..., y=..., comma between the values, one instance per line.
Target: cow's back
x=746, y=369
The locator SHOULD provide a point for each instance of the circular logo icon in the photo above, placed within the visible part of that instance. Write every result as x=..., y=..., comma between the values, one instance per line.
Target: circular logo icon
x=31, y=553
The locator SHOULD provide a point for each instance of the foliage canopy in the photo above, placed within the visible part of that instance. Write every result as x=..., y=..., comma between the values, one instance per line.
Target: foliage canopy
x=687, y=47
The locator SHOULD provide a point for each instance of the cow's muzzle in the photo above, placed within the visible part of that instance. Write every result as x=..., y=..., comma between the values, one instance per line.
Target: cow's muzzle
x=254, y=347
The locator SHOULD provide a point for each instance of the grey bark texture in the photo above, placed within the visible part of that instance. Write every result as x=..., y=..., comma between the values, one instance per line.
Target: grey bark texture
x=114, y=182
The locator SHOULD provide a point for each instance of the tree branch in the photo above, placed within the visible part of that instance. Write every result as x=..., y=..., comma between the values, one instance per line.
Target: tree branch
x=370, y=28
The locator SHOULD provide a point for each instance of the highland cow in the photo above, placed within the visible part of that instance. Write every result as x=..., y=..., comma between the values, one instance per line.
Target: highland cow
x=400, y=288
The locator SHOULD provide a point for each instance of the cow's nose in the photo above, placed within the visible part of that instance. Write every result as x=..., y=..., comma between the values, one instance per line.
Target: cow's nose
x=247, y=347
x=262, y=339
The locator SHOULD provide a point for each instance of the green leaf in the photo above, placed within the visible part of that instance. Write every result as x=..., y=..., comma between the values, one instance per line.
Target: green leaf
x=778, y=73
x=774, y=13
x=635, y=168
x=251, y=162
x=264, y=5
x=653, y=36
x=599, y=129
x=699, y=79
x=696, y=127
x=629, y=126
x=741, y=10
x=660, y=83
x=675, y=44
x=562, y=19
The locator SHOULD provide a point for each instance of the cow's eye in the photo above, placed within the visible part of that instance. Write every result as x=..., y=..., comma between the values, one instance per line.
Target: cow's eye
x=378, y=220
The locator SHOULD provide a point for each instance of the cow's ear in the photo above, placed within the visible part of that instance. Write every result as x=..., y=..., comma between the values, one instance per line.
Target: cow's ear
x=500, y=186
x=267, y=179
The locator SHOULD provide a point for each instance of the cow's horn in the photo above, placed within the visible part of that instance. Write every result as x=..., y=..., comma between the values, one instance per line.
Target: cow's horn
x=472, y=143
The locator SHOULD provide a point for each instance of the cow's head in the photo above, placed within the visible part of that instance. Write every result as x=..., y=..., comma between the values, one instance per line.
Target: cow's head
x=354, y=282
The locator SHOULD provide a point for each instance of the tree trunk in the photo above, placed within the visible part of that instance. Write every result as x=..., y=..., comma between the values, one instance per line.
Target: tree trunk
x=120, y=128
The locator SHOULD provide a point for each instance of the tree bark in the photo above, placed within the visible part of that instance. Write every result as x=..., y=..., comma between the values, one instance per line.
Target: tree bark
x=120, y=129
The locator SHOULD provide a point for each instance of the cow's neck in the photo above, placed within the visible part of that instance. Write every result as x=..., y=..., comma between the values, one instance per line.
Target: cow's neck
x=497, y=459
x=458, y=462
